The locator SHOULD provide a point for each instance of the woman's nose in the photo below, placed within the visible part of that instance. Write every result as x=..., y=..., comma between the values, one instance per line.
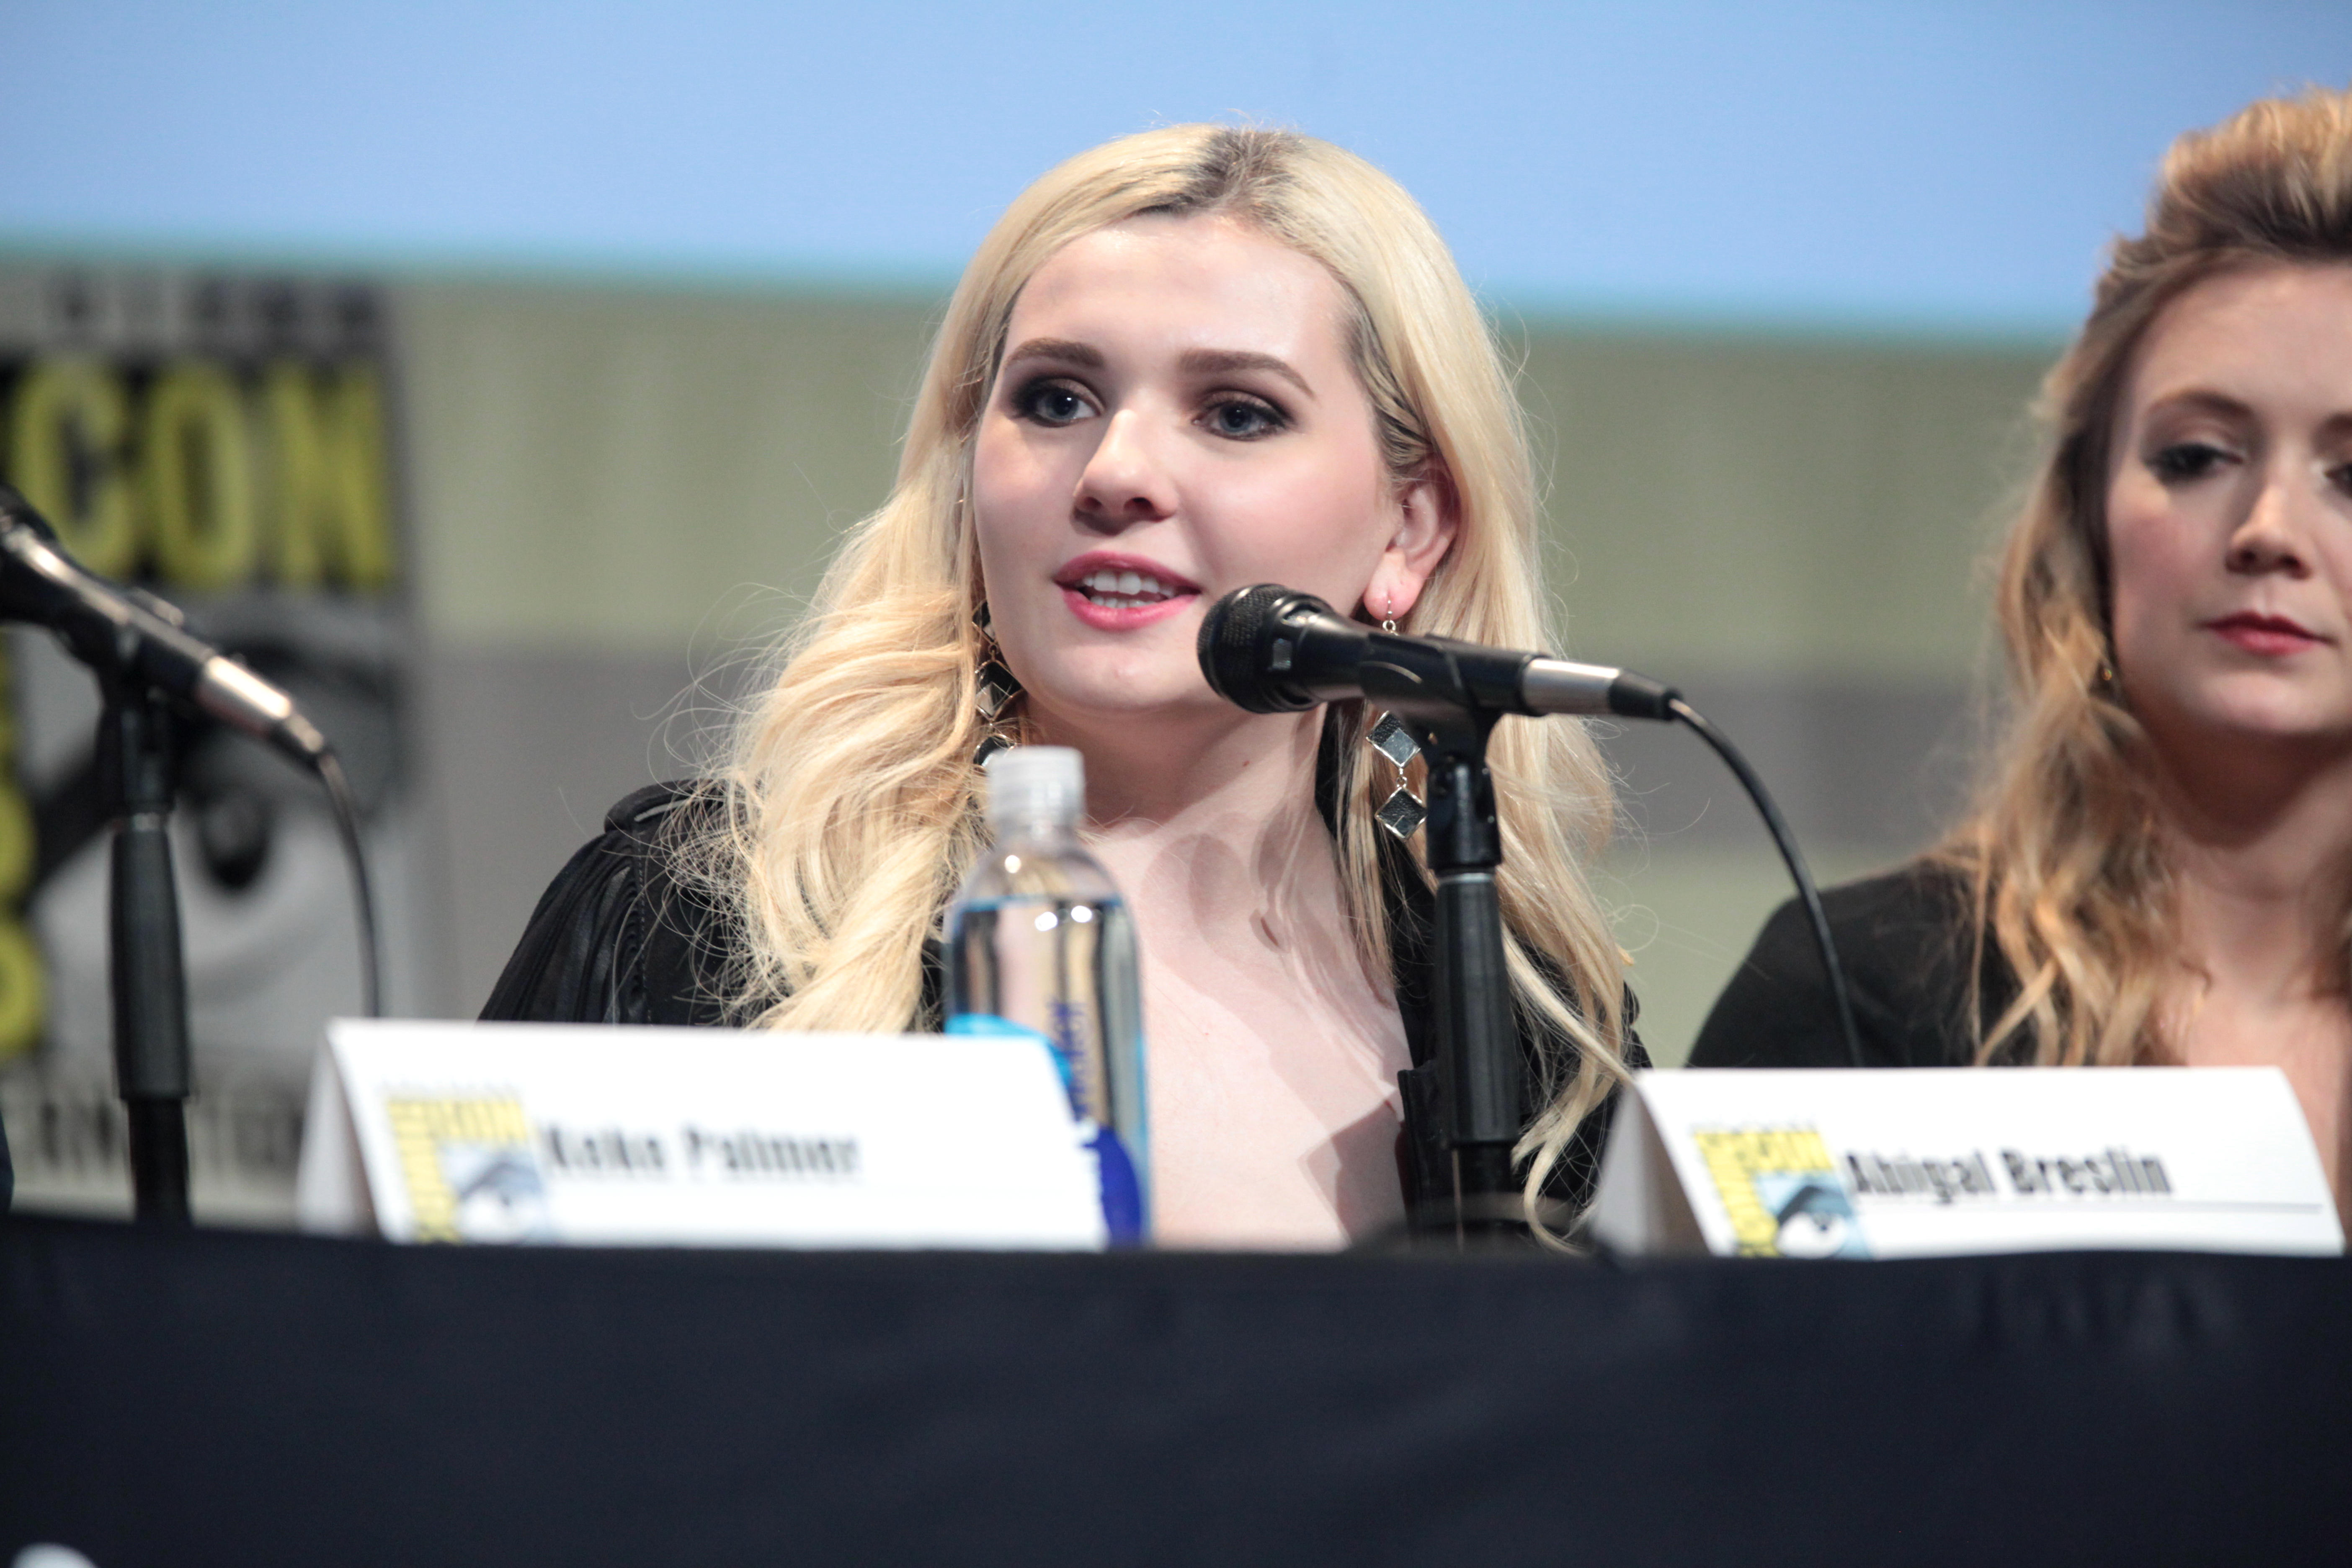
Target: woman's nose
x=1125, y=481
x=2273, y=535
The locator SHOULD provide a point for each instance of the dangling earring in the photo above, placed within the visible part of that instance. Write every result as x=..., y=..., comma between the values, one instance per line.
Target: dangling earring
x=1403, y=812
x=994, y=688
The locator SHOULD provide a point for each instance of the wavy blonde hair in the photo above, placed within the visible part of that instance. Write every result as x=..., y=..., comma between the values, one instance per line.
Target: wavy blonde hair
x=2069, y=874
x=853, y=813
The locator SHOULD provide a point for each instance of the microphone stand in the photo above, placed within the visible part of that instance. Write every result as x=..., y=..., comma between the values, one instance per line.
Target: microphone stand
x=145, y=964
x=1478, y=1068
x=1270, y=650
x=137, y=647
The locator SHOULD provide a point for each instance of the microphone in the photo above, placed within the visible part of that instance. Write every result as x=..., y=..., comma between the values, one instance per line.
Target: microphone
x=1270, y=650
x=111, y=628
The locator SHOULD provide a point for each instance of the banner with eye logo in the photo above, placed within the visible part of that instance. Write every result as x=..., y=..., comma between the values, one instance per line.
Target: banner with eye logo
x=229, y=443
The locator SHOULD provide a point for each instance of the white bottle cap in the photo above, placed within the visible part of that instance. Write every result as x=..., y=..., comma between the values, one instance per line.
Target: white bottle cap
x=1036, y=784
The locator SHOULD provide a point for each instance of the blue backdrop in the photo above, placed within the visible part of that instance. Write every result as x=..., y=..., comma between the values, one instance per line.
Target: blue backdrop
x=1938, y=166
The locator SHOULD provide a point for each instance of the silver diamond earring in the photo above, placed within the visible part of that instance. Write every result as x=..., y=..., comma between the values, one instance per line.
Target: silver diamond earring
x=994, y=688
x=1403, y=812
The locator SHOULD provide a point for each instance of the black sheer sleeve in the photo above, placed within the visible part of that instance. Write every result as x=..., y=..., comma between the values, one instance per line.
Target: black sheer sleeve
x=620, y=937
x=1903, y=939
x=617, y=938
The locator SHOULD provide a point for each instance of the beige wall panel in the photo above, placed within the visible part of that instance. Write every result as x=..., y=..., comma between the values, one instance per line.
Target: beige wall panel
x=618, y=468
x=615, y=468
x=1764, y=505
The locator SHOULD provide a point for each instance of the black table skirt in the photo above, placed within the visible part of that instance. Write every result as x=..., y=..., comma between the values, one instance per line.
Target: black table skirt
x=222, y=1398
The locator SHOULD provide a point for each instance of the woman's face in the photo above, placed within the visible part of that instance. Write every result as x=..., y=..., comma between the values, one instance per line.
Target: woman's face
x=2230, y=513
x=1176, y=415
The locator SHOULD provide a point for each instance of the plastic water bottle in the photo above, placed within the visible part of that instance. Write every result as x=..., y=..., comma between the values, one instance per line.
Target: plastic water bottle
x=1039, y=943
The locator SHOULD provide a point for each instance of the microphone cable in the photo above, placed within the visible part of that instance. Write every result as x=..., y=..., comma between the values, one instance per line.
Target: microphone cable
x=1791, y=856
x=330, y=769
x=1270, y=649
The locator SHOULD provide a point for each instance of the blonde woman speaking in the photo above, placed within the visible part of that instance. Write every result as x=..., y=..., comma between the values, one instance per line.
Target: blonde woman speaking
x=1184, y=363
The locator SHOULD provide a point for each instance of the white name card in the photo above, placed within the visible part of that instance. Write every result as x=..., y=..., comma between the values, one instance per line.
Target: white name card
x=554, y=1132
x=1871, y=1164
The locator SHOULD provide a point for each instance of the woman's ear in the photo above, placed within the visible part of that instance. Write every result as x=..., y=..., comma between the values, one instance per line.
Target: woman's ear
x=1426, y=522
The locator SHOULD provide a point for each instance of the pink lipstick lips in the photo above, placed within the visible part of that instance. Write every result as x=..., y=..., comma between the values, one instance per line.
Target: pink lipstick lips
x=1112, y=592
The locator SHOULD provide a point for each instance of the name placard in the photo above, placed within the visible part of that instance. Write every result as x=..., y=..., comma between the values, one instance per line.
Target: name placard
x=1823, y=1163
x=549, y=1133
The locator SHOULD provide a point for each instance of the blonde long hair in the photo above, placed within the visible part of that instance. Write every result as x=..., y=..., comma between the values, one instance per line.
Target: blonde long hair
x=2069, y=874
x=852, y=815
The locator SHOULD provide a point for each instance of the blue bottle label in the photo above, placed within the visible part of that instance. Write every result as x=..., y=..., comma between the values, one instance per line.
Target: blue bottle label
x=1122, y=1194
x=1115, y=1175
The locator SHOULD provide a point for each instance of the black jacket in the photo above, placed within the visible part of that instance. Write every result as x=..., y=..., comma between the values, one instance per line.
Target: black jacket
x=1905, y=942
x=619, y=938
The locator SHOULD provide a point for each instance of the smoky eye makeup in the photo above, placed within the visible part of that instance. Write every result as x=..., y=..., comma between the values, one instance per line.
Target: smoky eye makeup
x=2190, y=438
x=2180, y=462
x=1242, y=416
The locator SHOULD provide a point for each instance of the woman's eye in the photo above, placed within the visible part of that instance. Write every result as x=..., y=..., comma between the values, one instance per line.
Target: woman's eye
x=2340, y=476
x=1052, y=403
x=2187, y=460
x=1244, y=419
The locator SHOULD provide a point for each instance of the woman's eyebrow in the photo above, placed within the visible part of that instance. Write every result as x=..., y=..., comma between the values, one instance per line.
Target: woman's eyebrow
x=2202, y=401
x=1063, y=349
x=1224, y=362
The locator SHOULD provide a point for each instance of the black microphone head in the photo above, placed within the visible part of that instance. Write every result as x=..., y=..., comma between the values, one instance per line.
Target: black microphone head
x=28, y=552
x=1238, y=653
x=15, y=508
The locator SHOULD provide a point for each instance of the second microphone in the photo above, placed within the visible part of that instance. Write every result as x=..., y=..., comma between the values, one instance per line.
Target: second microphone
x=1270, y=649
